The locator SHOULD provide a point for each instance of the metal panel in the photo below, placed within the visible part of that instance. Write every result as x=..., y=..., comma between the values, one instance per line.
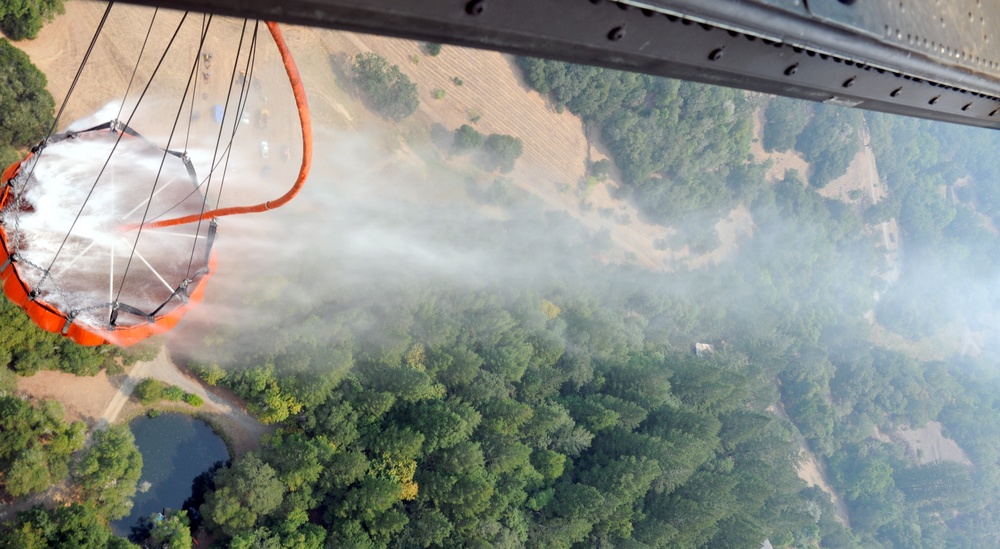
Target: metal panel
x=833, y=53
x=862, y=17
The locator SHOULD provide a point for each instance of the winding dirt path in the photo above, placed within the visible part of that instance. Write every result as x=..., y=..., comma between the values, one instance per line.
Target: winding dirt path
x=812, y=470
x=125, y=389
x=222, y=409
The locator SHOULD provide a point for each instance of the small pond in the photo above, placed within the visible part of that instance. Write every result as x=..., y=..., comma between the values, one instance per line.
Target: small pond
x=175, y=448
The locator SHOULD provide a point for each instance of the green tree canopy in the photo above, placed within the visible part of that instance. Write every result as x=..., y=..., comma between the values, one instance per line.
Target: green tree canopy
x=467, y=139
x=22, y=19
x=25, y=105
x=173, y=531
x=77, y=525
x=35, y=445
x=244, y=492
x=784, y=120
x=502, y=151
x=384, y=87
x=107, y=474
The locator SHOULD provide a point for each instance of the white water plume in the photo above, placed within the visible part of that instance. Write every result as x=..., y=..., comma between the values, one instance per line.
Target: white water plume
x=77, y=218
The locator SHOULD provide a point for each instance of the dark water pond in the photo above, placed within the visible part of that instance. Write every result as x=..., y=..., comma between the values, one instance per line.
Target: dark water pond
x=175, y=449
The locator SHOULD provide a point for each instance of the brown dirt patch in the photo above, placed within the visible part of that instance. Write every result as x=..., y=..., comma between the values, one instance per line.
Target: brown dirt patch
x=780, y=161
x=878, y=435
x=812, y=471
x=556, y=149
x=809, y=470
x=929, y=444
x=83, y=398
x=856, y=178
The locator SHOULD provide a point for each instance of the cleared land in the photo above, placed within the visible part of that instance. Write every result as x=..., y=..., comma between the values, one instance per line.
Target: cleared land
x=494, y=99
x=780, y=161
x=83, y=398
x=929, y=444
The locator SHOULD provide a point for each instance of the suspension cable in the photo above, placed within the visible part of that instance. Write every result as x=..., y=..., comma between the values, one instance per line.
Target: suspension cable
x=244, y=98
x=55, y=121
x=218, y=141
x=173, y=129
x=137, y=62
x=79, y=71
x=194, y=92
x=303, y=109
x=113, y=149
x=226, y=154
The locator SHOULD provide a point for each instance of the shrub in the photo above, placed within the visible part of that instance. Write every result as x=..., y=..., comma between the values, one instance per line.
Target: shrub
x=193, y=399
x=600, y=169
x=433, y=49
x=214, y=374
x=173, y=393
x=149, y=391
x=211, y=374
x=499, y=192
x=438, y=93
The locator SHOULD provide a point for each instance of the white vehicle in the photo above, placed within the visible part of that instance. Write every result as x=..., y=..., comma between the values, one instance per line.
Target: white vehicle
x=263, y=149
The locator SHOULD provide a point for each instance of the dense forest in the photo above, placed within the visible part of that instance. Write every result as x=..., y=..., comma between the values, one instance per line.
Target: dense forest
x=680, y=146
x=489, y=420
x=544, y=399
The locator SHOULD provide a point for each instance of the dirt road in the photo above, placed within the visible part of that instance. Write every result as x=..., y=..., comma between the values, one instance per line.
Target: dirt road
x=891, y=241
x=813, y=472
x=125, y=390
x=243, y=430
